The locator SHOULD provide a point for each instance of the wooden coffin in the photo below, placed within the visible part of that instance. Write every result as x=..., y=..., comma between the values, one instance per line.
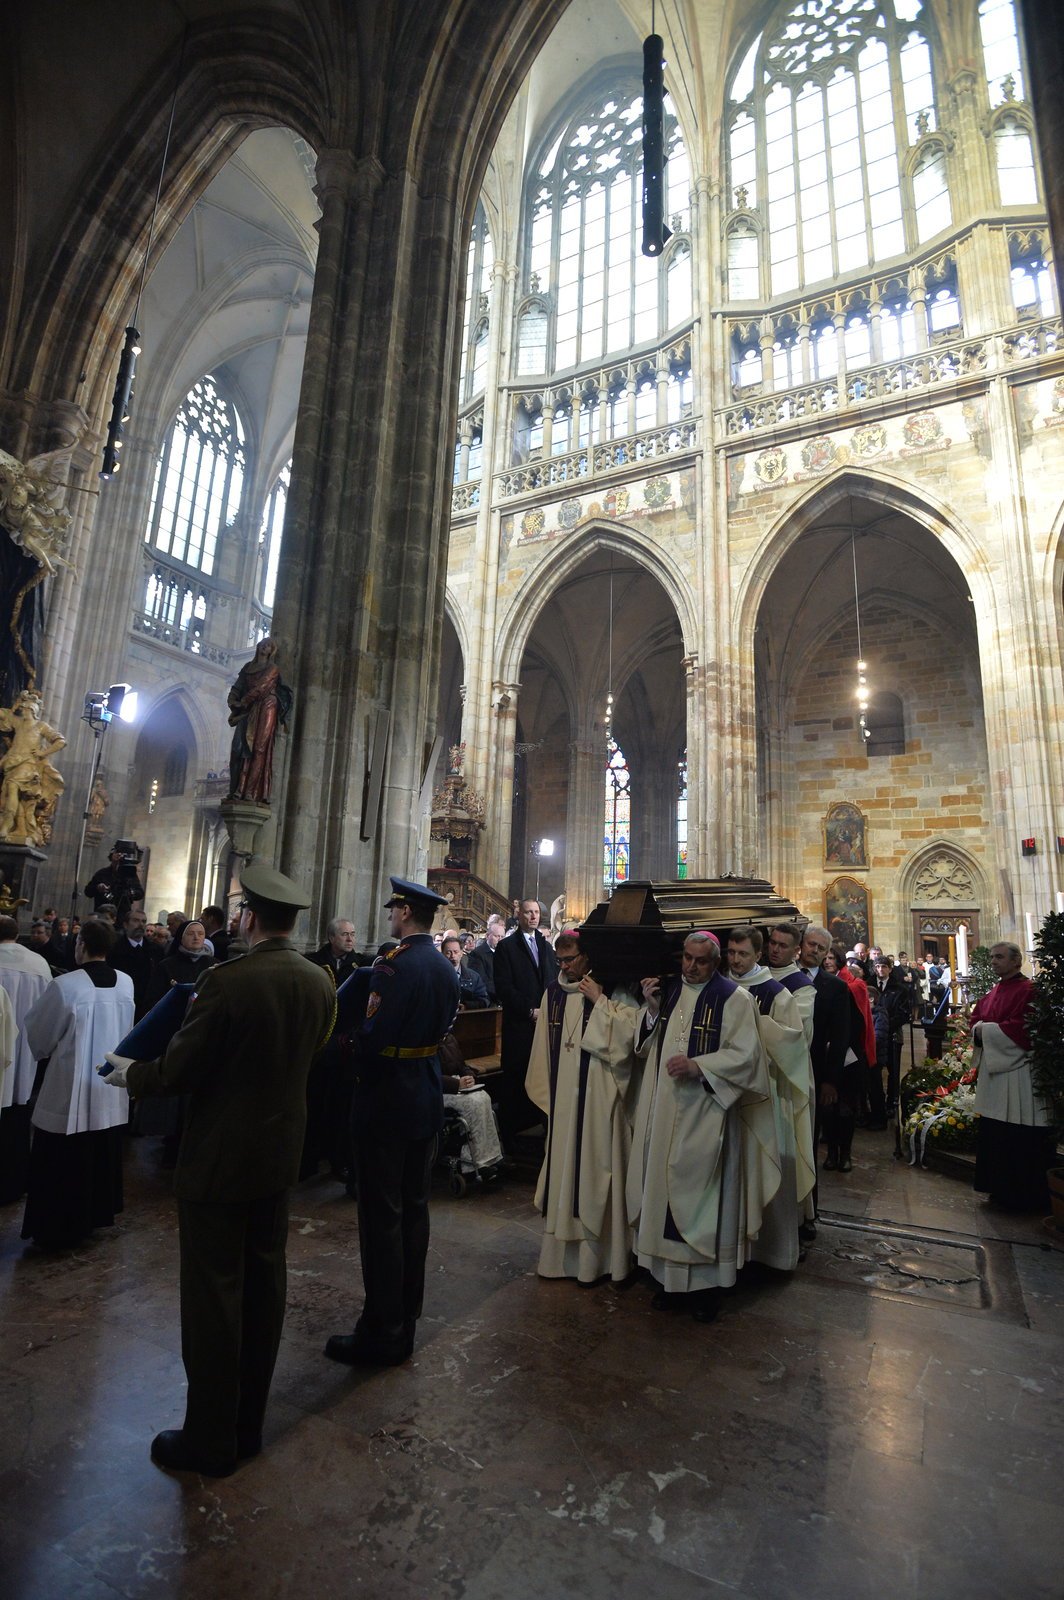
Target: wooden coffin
x=640, y=931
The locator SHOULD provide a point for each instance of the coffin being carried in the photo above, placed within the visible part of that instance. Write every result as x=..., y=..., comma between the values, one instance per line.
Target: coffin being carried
x=641, y=930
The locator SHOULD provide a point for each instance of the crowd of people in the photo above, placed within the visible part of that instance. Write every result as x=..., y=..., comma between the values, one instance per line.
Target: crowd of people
x=678, y=1125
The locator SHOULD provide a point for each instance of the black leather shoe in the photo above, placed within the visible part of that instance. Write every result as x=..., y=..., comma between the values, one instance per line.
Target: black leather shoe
x=845, y=1164
x=171, y=1450
x=807, y=1232
x=352, y=1351
x=705, y=1303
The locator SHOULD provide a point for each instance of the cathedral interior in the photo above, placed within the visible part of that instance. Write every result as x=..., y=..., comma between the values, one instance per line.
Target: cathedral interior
x=559, y=542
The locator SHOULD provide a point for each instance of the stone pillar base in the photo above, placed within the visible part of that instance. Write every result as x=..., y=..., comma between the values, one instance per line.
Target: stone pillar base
x=244, y=820
x=19, y=866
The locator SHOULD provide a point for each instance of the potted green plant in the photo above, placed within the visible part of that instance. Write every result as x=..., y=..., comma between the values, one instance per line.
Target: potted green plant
x=1046, y=1028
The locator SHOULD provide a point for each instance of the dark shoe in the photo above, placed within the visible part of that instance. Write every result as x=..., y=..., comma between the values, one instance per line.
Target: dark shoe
x=807, y=1232
x=832, y=1162
x=704, y=1305
x=660, y=1300
x=171, y=1450
x=352, y=1351
x=845, y=1164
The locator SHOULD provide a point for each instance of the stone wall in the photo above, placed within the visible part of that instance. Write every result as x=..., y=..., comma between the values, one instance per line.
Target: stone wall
x=937, y=790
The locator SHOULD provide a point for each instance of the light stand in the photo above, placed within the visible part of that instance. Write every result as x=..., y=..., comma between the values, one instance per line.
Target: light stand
x=541, y=848
x=101, y=708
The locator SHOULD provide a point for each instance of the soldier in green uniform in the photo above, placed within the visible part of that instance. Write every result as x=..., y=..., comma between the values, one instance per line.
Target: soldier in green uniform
x=241, y=1056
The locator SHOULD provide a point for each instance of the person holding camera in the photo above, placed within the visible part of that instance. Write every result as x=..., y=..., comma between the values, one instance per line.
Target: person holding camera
x=117, y=884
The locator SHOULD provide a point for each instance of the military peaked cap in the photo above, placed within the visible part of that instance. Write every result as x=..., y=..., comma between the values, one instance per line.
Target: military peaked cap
x=266, y=883
x=413, y=894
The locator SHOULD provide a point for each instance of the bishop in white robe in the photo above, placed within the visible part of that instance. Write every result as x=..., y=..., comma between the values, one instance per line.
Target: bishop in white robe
x=705, y=1160
x=581, y=1073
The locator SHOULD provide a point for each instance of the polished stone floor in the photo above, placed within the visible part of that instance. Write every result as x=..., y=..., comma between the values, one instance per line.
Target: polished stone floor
x=886, y=1424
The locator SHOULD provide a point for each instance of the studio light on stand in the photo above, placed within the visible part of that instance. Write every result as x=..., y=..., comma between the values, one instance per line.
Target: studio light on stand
x=102, y=706
x=542, y=849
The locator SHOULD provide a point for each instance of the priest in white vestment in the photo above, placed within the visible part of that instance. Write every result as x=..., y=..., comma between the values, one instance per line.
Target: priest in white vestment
x=779, y=1024
x=705, y=1157
x=580, y=1073
x=24, y=976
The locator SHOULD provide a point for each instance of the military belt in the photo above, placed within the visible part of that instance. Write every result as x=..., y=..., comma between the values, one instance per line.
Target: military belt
x=409, y=1052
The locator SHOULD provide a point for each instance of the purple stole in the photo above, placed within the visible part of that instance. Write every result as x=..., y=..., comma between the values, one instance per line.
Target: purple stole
x=702, y=1040
x=765, y=992
x=554, y=1000
x=794, y=981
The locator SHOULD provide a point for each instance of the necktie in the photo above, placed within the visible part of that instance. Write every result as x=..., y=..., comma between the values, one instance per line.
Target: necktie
x=532, y=950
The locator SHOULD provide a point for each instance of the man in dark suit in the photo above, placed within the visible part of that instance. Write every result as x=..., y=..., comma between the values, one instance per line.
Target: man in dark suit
x=524, y=965
x=338, y=951
x=213, y=919
x=397, y=1111
x=481, y=959
x=836, y=1079
x=241, y=1056
x=132, y=953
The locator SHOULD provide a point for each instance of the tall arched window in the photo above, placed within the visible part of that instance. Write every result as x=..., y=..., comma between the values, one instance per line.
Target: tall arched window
x=615, y=862
x=270, y=536
x=475, y=323
x=1001, y=51
x=1014, y=159
x=821, y=107
x=199, y=478
x=681, y=815
x=583, y=232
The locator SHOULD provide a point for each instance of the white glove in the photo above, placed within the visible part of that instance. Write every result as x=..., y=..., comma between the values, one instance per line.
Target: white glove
x=120, y=1065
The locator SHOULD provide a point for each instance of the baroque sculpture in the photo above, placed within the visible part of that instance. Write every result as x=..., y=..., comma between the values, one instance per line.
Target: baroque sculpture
x=259, y=703
x=30, y=785
x=39, y=529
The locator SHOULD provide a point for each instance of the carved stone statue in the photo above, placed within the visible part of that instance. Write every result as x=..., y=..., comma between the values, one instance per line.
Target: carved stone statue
x=30, y=786
x=28, y=509
x=38, y=527
x=99, y=800
x=259, y=703
x=557, y=918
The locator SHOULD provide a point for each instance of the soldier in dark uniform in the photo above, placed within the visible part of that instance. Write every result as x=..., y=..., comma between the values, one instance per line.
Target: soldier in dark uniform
x=241, y=1056
x=396, y=1114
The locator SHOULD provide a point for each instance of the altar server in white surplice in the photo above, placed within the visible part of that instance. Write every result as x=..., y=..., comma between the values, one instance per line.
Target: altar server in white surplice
x=24, y=976
x=75, y=1177
x=580, y=1073
x=705, y=1156
x=779, y=1023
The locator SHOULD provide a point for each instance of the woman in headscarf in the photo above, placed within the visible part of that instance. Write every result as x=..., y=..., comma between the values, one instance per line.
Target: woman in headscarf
x=190, y=960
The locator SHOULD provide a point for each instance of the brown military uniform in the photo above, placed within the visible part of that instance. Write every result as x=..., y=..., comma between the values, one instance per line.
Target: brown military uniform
x=242, y=1057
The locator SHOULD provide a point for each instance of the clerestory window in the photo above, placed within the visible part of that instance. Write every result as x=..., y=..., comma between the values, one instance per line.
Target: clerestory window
x=199, y=478
x=583, y=231
x=822, y=107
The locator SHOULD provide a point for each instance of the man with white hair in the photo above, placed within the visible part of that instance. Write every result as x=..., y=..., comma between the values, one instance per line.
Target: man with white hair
x=338, y=951
x=481, y=959
x=705, y=1156
x=24, y=976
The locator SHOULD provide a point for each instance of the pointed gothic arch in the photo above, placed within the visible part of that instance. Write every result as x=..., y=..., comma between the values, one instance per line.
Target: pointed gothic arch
x=528, y=602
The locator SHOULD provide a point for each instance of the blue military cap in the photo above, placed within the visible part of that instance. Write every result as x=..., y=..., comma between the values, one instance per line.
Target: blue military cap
x=415, y=894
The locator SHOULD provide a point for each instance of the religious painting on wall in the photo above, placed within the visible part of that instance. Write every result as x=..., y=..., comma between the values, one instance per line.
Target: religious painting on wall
x=848, y=912
x=844, y=836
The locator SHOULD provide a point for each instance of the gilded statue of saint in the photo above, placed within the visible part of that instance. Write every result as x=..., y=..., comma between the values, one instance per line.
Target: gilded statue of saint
x=259, y=703
x=30, y=785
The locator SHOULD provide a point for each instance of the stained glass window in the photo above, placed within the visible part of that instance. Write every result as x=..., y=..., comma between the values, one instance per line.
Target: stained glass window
x=681, y=817
x=821, y=105
x=582, y=245
x=199, y=479
x=616, y=858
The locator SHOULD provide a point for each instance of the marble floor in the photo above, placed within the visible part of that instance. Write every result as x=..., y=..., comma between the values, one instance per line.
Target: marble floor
x=885, y=1424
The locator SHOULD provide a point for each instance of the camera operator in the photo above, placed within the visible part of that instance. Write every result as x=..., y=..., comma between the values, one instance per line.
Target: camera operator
x=117, y=884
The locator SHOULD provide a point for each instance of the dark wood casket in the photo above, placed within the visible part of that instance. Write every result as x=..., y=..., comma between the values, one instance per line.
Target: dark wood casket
x=640, y=931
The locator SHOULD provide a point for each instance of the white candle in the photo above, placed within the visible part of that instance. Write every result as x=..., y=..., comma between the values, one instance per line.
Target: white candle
x=962, y=949
x=1029, y=919
x=1060, y=899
